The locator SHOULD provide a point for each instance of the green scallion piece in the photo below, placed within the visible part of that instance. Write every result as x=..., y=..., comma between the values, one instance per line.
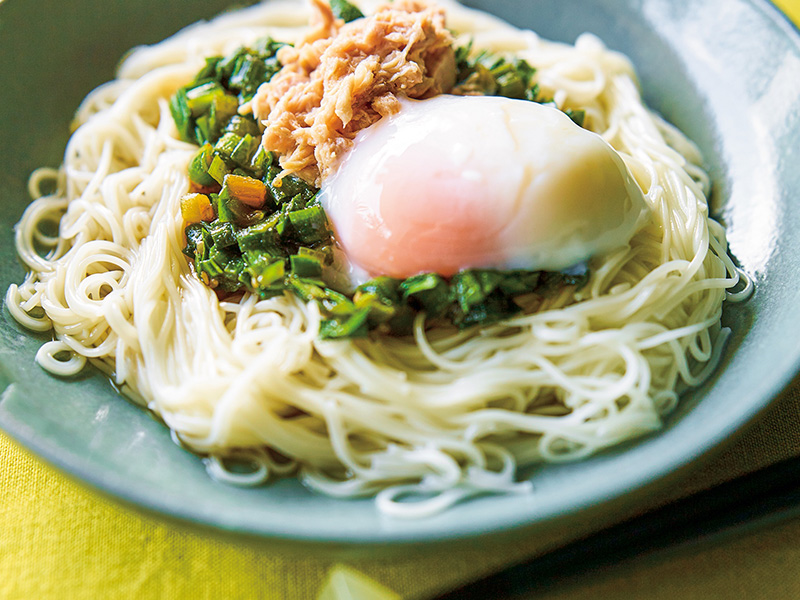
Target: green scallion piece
x=342, y=9
x=380, y=310
x=222, y=109
x=260, y=162
x=494, y=308
x=243, y=153
x=262, y=237
x=429, y=290
x=202, y=130
x=304, y=288
x=243, y=125
x=381, y=295
x=226, y=145
x=510, y=85
x=264, y=270
x=182, y=115
x=209, y=70
x=515, y=283
x=310, y=225
x=201, y=97
x=223, y=268
x=222, y=233
x=472, y=287
x=267, y=47
x=323, y=255
x=337, y=305
x=229, y=209
x=198, y=168
x=218, y=169
x=305, y=266
x=288, y=186
x=248, y=73
x=577, y=116
x=226, y=66
x=197, y=241
x=353, y=326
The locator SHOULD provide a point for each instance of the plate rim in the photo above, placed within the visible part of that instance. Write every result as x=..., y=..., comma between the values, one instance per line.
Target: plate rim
x=77, y=470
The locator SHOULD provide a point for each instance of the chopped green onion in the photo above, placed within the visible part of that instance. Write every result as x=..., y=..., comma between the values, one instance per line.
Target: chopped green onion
x=337, y=305
x=223, y=107
x=217, y=170
x=267, y=47
x=304, y=288
x=209, y=70
x=229, y=208
x=577, y=116
x=514, y=283
x=532, y=93
x=494, y=308
x=323, y=255
x=353, y=326
x=310, y=225
x=306, y=266
x=288, y=186
x=221, y=269
x=342, y=9
x=249, y=72
x=429, y=290
x=381, y=296
x=262, y=237
x=264, y=270
x=182, y=115
x=472, y=287
x=510, y=85
x=261, y=161
x=202, y=97
x=202, y=130
x=197, y=240
x=242, y=126
x=198, y=168
x=222, y=234
x=204, y=108
x=244, y=151
x=226, y=145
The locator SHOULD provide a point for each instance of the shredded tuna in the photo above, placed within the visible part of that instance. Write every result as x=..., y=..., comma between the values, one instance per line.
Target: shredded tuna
x=342, y=78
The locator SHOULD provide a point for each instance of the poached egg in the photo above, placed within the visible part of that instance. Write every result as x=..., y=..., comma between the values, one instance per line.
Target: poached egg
x=457, y=182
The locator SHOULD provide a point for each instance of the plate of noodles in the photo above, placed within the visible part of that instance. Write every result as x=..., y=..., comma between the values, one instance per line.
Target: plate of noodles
x=366, y=273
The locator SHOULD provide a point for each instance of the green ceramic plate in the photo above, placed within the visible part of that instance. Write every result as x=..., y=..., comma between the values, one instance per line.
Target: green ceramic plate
x=726, y=72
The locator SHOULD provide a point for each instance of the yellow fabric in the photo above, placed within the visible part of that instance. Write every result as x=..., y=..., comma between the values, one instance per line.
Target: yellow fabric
x=59, y=540
x=791, y=8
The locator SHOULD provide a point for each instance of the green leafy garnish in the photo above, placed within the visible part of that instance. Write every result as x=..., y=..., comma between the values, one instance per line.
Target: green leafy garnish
x=490, y=74
x=204, y=108
x=342, y=9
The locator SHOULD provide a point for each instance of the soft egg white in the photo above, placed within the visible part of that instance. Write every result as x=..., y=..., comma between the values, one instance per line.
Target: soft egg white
x=456, y=182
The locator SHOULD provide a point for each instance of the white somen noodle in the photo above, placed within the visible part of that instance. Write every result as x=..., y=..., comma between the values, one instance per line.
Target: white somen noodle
x=437, y=417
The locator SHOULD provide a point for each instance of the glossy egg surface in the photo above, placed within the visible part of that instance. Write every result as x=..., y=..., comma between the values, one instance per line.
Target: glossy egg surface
x=458, y=182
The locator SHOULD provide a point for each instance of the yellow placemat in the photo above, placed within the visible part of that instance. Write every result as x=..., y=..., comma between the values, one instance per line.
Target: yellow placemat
x=61, y=541
x=791, y=8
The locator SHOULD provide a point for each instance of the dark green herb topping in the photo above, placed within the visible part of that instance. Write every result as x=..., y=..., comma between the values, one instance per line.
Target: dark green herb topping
x=342, y=9
x=291, y=249
x=203, y=108
x=490, y=74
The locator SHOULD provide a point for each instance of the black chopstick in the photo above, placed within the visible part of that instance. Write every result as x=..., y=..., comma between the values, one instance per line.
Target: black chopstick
x=764, y=496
